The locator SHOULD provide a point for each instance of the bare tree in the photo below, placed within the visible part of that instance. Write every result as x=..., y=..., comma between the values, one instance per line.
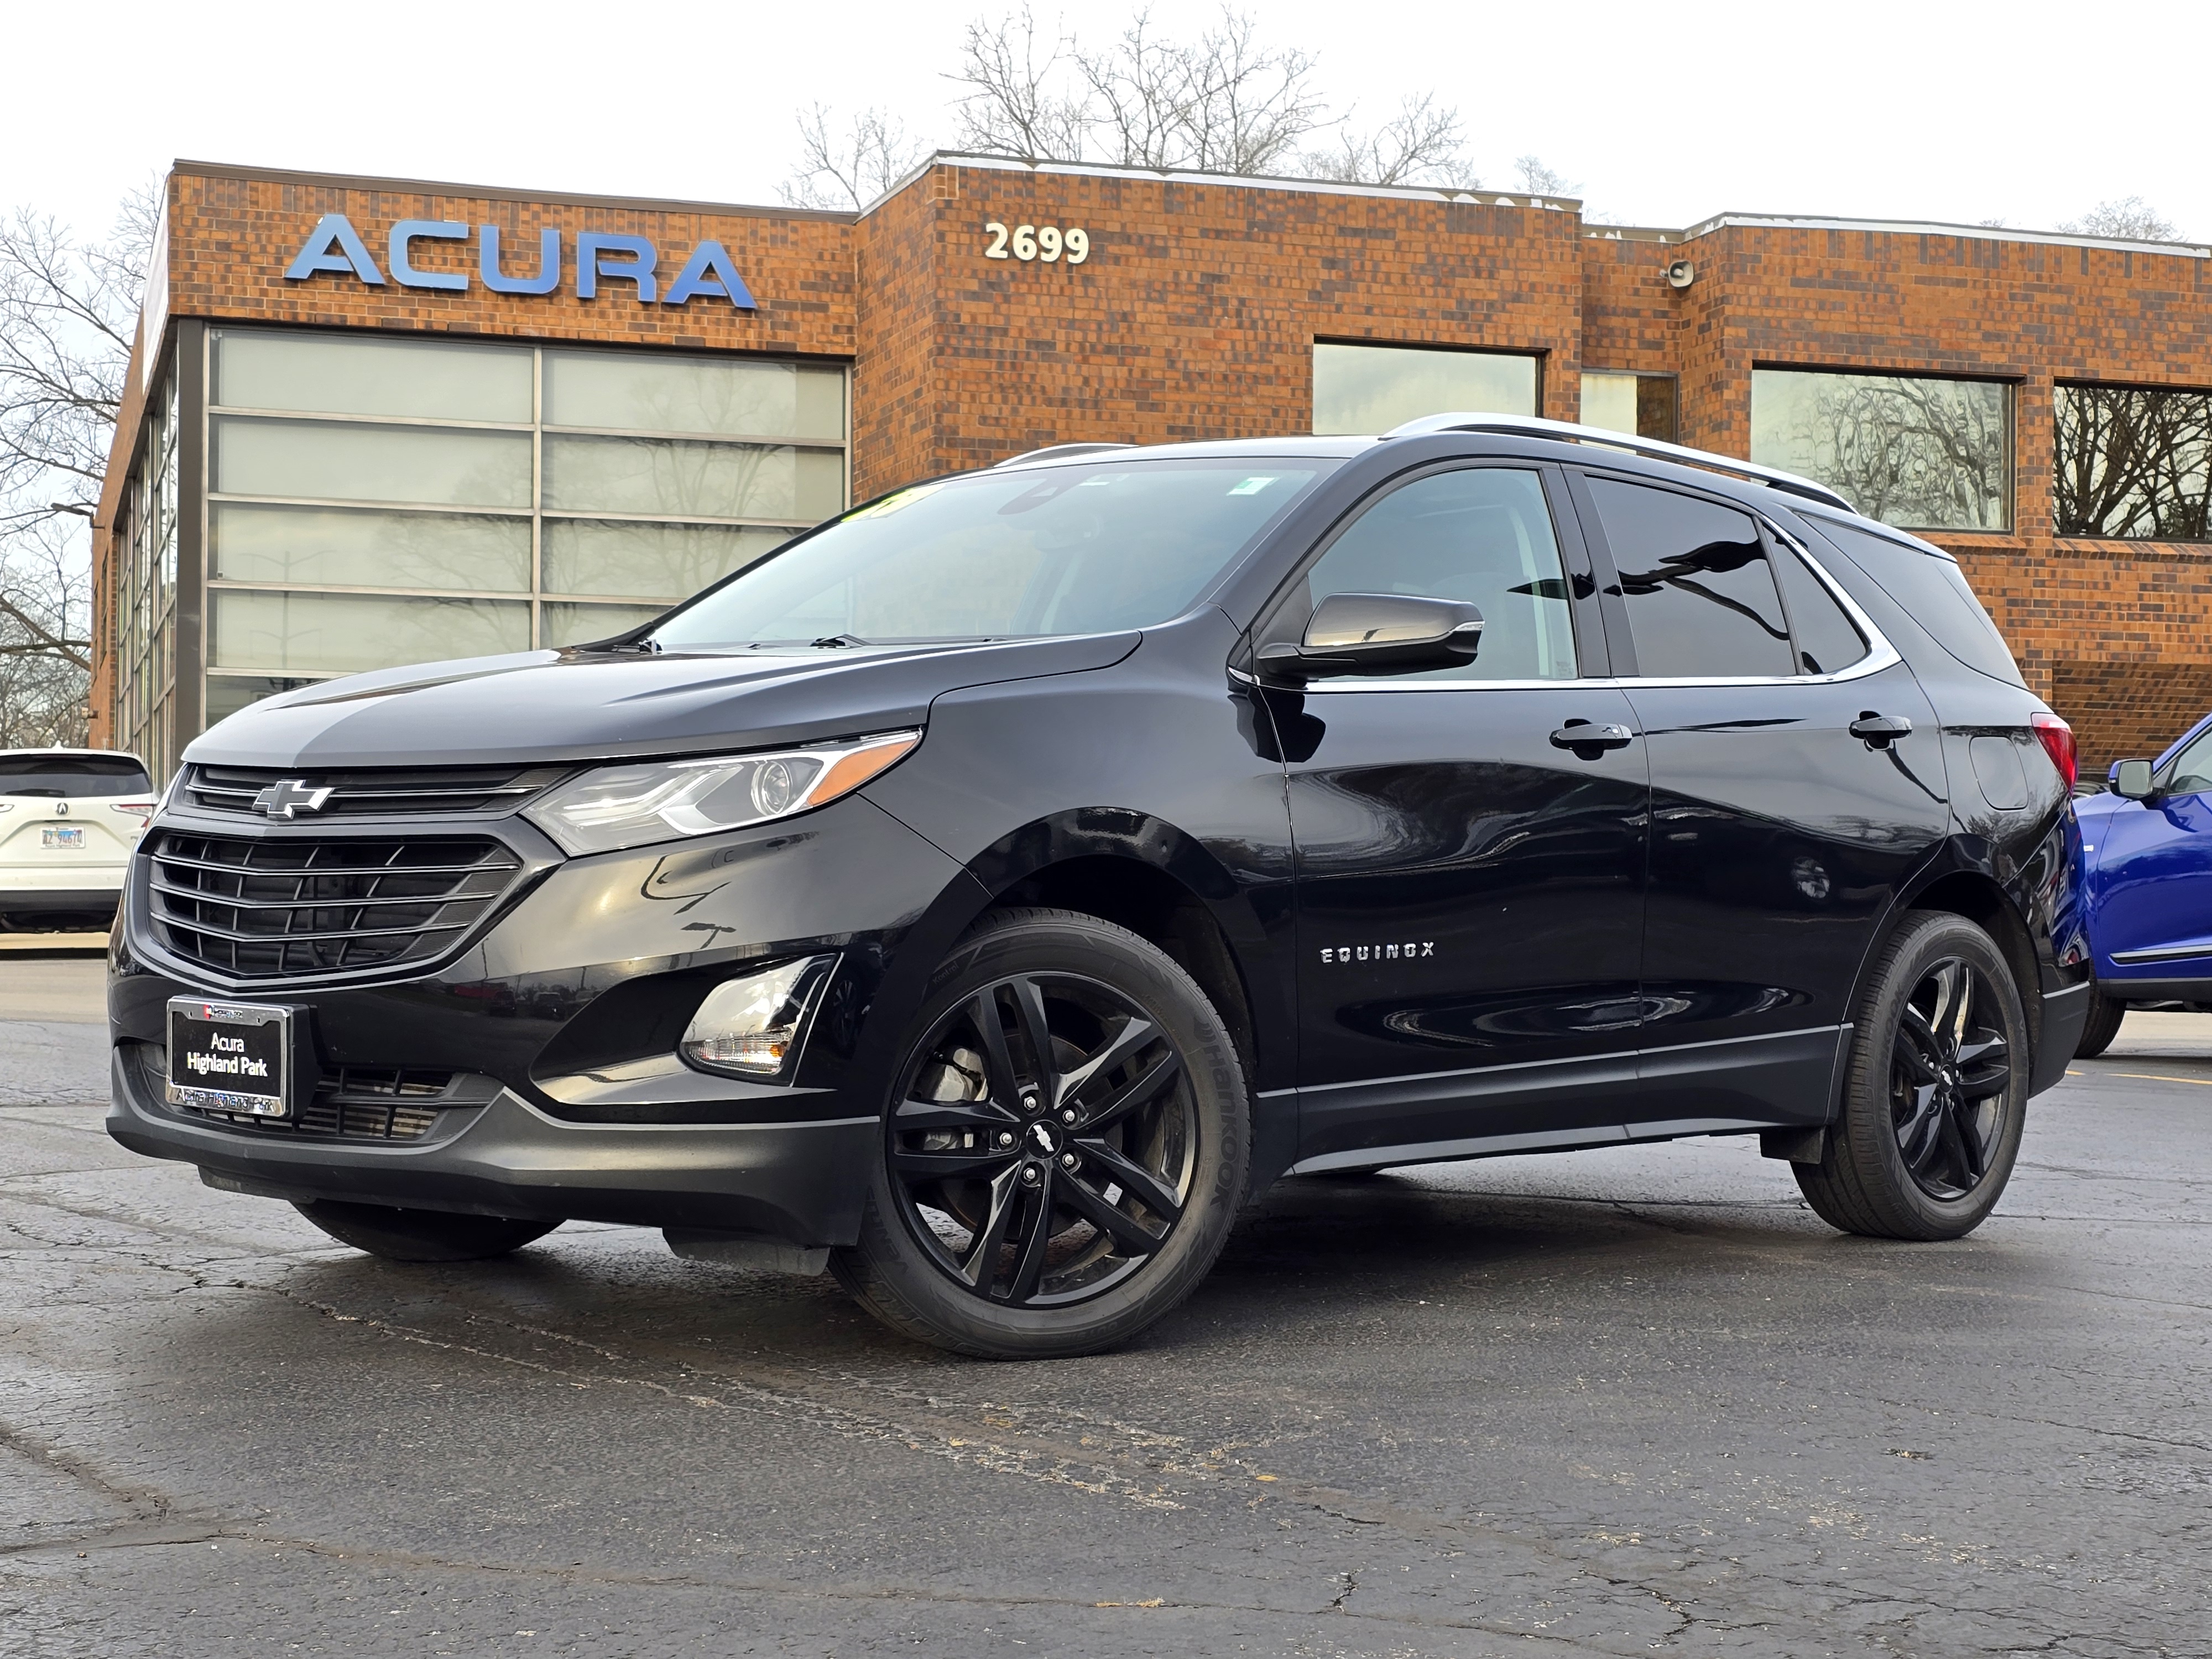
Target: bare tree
x=2129, y=217
x=1227, y=102
x=1540, y=180
x=1911, y=451
x=1422, y=144
x=1016, y=104
x=67, y=314
x=849, y=166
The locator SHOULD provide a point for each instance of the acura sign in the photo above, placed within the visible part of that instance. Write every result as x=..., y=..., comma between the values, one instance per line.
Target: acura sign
x=335, y=248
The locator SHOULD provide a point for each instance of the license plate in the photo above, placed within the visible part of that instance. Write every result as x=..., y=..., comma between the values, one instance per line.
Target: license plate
x=49, y=837
x=230, y=1056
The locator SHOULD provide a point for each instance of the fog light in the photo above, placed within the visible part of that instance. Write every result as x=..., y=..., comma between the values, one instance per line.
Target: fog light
x=752, y=1027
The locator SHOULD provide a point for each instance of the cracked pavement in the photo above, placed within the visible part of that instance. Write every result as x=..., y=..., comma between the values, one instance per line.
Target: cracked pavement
x=1606, y=1403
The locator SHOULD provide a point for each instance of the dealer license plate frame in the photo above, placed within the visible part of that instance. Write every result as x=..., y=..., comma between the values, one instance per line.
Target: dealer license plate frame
x=267, y=1033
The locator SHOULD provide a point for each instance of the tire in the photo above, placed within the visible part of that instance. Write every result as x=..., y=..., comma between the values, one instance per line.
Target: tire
x=422, y=1234
x=979, y=1234
x=1936, y=1097
x=2102, y=1025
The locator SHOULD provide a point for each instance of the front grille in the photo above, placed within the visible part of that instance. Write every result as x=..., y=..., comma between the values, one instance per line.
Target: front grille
x=380, y=792
x=299, y=905
x=361, y=1102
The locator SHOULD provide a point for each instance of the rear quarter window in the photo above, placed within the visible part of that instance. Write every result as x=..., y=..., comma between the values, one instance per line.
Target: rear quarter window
x=1934, y=592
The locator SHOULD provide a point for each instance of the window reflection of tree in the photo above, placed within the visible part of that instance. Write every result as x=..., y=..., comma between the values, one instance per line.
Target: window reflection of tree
x=1681, y=571
x=1931, y=454
x=2133, y=462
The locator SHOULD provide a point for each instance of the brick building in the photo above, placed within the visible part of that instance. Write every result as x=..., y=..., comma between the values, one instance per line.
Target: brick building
x=375, y=421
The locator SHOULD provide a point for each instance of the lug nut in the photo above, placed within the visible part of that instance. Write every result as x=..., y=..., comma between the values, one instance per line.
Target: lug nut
x=1068, y=1160
x=1006, y=1137
x=1031, y=1175
x=1028, y=1101
x=1068, y=1117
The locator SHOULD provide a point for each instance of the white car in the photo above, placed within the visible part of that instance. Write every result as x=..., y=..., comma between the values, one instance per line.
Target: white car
x=69, y=820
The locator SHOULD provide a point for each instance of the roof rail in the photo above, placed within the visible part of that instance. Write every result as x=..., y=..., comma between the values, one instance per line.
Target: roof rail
x=1530, y=426
x=1057, y=453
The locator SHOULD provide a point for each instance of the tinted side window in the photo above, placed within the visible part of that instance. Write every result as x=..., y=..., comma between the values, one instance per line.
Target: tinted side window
x=1485, y=535
x=1701, y=600
x=1828, y=641
x=2190, y=772
x=1934, y=593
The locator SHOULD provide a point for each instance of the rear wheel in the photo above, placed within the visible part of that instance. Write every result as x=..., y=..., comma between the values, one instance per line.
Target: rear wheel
x=1937, y=1096
x=422, y=1234
x=1065, y=1149
x=2102, y=1025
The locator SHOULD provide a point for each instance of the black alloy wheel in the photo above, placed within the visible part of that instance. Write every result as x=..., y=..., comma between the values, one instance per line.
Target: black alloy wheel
x=1064, y=1146
x=1044, y=1140
x=1950, y=1067
x=1935, y=1095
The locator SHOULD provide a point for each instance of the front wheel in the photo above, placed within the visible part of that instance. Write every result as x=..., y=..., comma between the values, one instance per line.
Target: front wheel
x=1936, y=1095
x=1065, y=1147
x=399, y=1235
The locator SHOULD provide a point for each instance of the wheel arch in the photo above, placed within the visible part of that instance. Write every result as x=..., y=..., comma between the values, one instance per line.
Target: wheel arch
x=1978, y=895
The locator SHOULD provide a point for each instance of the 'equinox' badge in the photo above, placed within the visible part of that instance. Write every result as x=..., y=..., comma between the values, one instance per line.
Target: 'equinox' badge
x=286, y=796
x=1417, y=947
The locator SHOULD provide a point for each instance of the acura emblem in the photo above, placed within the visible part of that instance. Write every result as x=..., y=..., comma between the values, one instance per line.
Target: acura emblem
x=287, y=796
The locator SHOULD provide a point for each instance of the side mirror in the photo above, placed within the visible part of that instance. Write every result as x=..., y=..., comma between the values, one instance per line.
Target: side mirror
x=1378, y=633
x=2131, y=778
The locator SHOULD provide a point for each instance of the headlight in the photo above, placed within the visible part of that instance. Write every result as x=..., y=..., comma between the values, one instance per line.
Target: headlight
x=621, y=806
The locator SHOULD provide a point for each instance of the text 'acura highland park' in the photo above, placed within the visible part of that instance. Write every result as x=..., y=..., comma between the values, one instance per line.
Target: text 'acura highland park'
x=987, y=893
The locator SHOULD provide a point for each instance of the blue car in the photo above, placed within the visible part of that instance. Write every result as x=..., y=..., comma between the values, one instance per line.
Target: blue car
x=2147, y=842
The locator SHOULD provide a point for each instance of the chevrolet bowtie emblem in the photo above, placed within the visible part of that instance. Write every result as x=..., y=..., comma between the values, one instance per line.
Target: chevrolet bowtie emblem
x=286, y=796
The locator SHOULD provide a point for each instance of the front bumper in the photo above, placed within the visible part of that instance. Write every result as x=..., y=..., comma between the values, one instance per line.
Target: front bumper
x=787, y=1181
x=551, y=1034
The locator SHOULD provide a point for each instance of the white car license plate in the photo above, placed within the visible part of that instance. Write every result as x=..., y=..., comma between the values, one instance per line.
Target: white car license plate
x=230, y=1057
x=50, y=836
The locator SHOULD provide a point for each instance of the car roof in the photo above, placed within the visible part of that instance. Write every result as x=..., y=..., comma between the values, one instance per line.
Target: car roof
x=104, y=753
x=1754, y=485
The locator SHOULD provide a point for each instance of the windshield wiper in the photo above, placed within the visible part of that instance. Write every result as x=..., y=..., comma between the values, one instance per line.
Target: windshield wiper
x=837, y=641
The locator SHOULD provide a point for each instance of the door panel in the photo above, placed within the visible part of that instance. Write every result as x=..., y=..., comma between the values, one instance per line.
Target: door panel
x=1470, y=897
x=2153, y=887
x=1778, y=840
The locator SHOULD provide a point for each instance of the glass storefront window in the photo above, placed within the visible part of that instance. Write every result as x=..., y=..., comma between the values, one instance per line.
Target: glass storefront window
x=354, y=461
x=349, y=547
x=579, y=624
x=646, y=560
x=725, y=396
x=1922, y=454
x=1641, y=405
x=439, y=474
x=338, y=374
x=346, y=633
x=689, y=480
x=1367, y=389
x=2133, y=462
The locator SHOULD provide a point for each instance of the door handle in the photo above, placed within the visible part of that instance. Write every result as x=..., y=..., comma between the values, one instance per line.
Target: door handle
x=1878, y=729
x=1579, y=735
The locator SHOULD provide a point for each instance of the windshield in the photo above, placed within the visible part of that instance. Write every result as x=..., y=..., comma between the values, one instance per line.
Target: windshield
x=1067, y=549
x=71, y=775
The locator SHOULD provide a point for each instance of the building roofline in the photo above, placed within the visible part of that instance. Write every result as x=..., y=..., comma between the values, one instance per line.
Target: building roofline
x=1926, y=227
x=496, y=193
x=1515, y=199
x=1728, y=221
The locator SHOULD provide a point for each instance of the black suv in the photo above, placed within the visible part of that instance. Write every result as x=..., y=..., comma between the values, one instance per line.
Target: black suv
x=993, y=889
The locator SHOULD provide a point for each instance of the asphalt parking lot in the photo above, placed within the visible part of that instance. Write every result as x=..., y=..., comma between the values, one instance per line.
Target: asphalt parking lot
x=1603, y=1403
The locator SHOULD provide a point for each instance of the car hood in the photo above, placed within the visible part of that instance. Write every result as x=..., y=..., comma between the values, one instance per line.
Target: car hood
x=543, y=705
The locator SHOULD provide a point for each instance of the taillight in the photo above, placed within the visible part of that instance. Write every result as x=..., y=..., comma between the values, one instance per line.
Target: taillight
x=2057, y=740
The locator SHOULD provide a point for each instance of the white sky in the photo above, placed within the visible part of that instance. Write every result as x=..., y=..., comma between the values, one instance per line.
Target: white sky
x=1935, y=109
